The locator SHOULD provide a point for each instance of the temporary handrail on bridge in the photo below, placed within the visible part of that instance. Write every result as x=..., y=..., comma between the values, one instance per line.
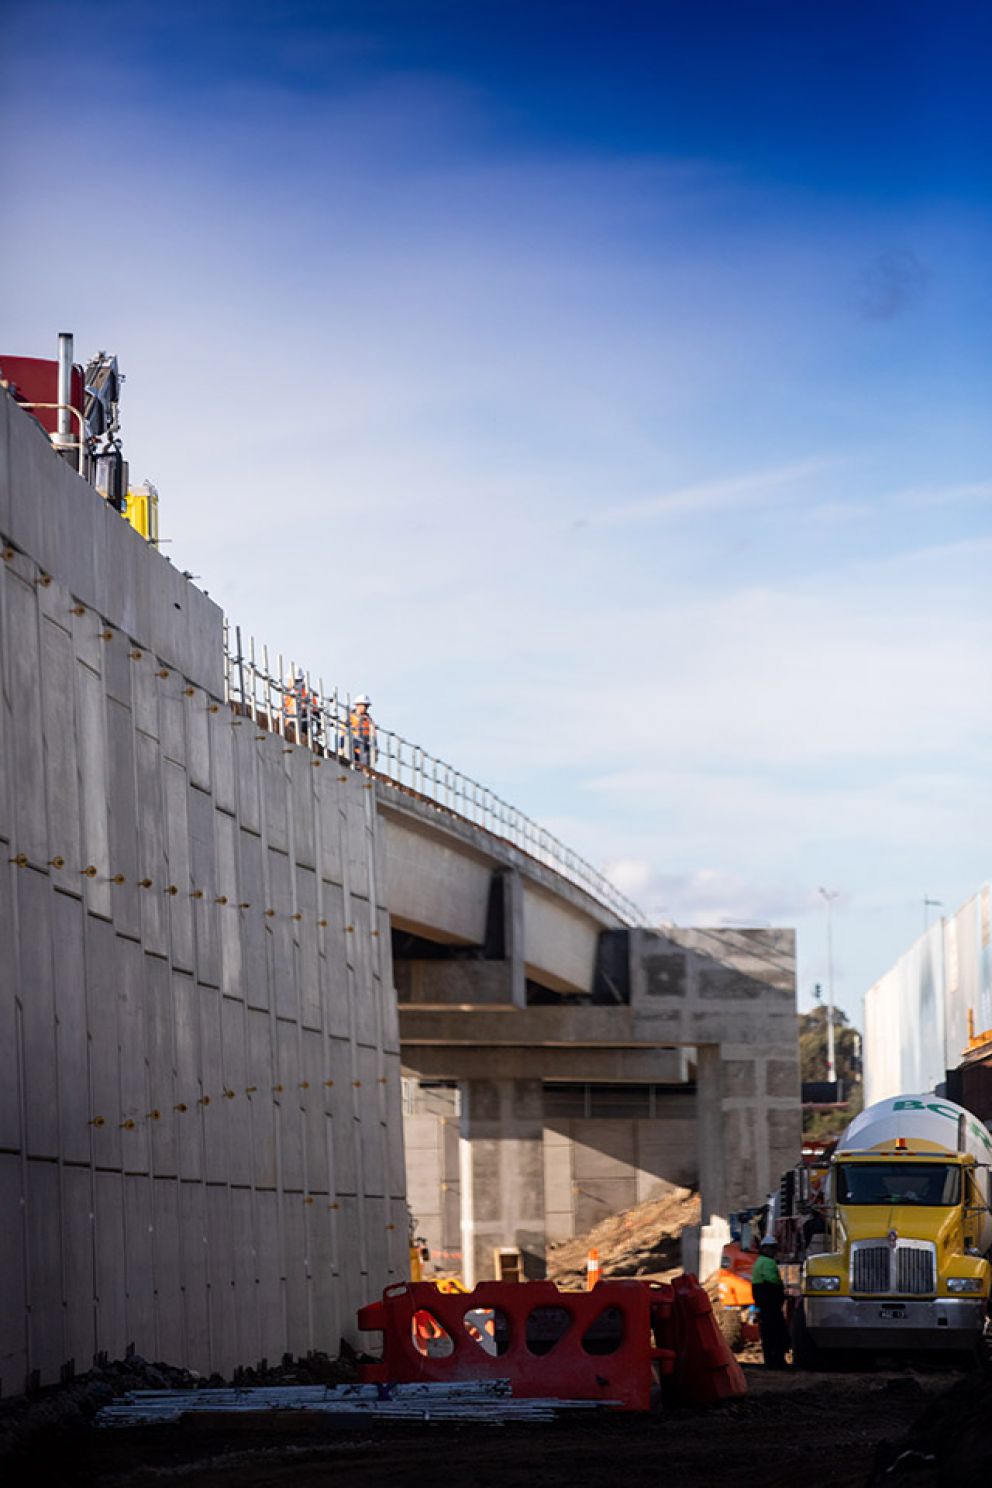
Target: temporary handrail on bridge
x=306, y=713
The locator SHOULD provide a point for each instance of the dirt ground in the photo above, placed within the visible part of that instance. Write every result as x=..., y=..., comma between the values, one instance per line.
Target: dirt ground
x=816, y=1431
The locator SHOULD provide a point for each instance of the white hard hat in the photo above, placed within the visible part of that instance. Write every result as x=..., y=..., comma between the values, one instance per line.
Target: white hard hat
x=363, y=697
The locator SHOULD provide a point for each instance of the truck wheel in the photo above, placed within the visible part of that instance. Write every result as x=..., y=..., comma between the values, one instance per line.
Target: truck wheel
x=805, y=1354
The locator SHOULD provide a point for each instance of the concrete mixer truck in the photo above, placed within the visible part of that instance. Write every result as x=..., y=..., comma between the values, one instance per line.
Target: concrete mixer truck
x=901, y=1260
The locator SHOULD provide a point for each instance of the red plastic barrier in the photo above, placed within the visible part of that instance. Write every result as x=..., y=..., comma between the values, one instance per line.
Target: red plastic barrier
x=562, y=1345
x=705, y=1369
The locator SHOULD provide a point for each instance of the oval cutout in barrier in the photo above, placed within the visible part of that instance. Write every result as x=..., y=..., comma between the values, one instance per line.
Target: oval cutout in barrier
x=546, y=1326
x=489, y=1327
x=429, y=1337
x=605, y=1333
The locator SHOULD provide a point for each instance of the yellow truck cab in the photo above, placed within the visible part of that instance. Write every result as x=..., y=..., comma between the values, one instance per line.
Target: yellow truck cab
x=903, y=1262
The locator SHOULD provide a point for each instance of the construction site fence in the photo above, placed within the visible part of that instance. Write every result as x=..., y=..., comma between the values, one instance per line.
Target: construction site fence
x=284, y=699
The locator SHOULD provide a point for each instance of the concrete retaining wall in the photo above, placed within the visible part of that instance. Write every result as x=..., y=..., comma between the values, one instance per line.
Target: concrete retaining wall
x=200, y=1125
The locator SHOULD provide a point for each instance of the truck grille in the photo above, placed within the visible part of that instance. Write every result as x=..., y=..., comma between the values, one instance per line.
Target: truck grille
x=914, y=1270
x=870, y=1268
x=878, y=1270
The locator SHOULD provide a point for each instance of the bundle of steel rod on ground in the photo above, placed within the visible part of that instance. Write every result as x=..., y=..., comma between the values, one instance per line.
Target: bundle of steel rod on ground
x=465, y=1400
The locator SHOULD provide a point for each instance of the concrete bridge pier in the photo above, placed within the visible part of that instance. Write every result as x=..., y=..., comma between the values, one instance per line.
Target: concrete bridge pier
x=711, y=1132
x=502, y=1174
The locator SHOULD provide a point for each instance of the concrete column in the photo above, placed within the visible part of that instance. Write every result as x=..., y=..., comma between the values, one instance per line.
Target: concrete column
x=710, y=1132
x=749, y=1124
x=502, y=1174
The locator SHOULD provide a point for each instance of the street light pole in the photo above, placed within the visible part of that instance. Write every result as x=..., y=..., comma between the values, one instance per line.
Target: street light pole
x=829, y=895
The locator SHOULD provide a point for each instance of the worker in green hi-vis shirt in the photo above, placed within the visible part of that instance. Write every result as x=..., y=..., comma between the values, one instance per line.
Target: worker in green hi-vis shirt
x=769, y=1298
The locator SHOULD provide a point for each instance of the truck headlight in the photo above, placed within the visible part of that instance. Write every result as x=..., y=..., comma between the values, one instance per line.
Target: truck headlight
x=964, y=1283
x=823, y=1283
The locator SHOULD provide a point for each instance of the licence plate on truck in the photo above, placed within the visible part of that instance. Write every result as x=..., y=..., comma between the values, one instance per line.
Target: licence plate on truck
x=888, y=1313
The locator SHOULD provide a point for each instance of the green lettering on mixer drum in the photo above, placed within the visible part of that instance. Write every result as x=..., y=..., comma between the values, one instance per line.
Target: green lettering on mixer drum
x=975, y=1127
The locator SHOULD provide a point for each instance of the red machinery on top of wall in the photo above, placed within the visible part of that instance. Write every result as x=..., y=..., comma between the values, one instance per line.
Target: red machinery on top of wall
x=78, y=409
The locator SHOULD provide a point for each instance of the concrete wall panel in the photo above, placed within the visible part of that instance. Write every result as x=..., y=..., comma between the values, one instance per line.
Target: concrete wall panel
x=289, y=1106
x=325, y=1295
x=247, y=1334
x=58, y=723
x=11, y=1093
x=204, y=885
x=193, y=1240
x=197, y=738
x=315, y=1103
x=132, y=1042
x=93, y=765
x=280, y=930
x=36, y=1010
x=44, y=1242
x=14, y=1316
x=170, y=1319
x=221, y=1272
x=139, y=1274
x=273, y=786
x=153, y=866
x=160, y=1056
x=329, y=824
x=215, y=1114
x=336, y=981
x=188, y=1087
x=229, y=917
x=108, y=1211
x=123, y=821
x=178, y=852
x=666, y=1156
x=303, y=767
x=234, y=1108
x=172, y=719
x=77, y=1264
x=261, y=1079
x=305, y=933
x=350, y=1256
x=246, y=767
x=223, y=777
x=298, y=1339
x=253, y=924
x=270, y=1271
x=27, y=770
x=144, y=693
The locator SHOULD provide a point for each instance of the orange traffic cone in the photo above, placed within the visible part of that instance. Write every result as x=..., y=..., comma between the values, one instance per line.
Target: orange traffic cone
x=592, y=1270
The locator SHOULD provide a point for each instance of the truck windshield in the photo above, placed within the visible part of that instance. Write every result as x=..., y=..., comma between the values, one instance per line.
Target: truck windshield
x=937, y=1185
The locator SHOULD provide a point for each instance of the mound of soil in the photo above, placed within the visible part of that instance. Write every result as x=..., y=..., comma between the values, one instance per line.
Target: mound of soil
x=643, y=1241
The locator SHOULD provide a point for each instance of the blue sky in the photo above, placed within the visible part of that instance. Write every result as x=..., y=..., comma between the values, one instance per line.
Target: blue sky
x=604, y=388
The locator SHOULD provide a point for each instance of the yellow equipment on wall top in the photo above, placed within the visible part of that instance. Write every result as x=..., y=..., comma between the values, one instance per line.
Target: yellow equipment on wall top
x=141, y=510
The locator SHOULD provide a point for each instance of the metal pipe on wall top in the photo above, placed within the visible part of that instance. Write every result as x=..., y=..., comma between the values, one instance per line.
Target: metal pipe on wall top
x=64, y=394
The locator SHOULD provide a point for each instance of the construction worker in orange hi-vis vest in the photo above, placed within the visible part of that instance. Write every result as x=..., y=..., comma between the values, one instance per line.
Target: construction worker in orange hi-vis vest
x=362, y=730
x=299, y=706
